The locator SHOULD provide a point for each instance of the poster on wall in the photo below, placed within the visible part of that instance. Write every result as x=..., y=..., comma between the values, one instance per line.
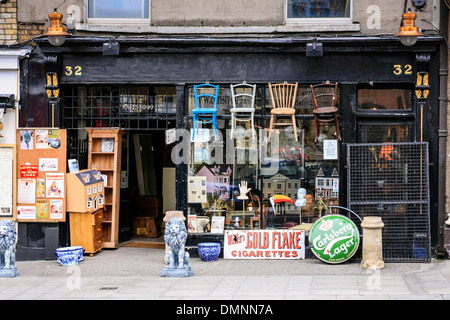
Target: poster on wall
x=196, y=189
x=54, y=185
x=330, y=150
x=264, y=244
x=42, y=209
x=26, y=191
x=41, y=139
x=26, y=139
x=48, y=164
x=54, y=139
x=26, y=212
x=6, y=176
x=56, y=209
x=40, y=188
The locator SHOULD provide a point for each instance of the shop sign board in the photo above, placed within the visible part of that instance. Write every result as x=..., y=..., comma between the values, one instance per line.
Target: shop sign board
x=334, y=238
x=264, y=244
x=29, y=171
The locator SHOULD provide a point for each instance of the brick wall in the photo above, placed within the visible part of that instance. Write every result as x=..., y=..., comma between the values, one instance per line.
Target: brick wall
x=14, y=32
x=8, y=23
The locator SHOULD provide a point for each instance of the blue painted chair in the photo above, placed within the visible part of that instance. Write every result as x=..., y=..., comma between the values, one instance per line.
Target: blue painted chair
x=204, y=112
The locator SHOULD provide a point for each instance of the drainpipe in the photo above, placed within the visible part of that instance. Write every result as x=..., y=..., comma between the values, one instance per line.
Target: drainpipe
x=442, y=131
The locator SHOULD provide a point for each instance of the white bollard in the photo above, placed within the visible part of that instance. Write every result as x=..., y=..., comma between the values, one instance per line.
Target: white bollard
x=372, y=254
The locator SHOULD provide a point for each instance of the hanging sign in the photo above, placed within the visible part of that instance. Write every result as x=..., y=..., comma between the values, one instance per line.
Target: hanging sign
x=264, y=244
x=334, y=238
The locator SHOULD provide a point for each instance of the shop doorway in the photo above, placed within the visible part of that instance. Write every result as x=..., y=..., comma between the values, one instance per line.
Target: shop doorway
x=147, y=189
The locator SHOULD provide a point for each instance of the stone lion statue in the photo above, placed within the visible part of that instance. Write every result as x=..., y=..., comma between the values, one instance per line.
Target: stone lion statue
x=7, y=242
x=175, y=236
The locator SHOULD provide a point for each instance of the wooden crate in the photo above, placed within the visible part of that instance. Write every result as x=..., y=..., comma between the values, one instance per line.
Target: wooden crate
x=146, y=227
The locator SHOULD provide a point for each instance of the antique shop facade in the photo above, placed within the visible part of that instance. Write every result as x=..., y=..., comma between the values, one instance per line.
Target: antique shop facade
x=380, y=162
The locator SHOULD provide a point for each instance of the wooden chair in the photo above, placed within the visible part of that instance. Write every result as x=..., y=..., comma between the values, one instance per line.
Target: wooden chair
x=283, y=103
x=203, y=112
x=243, y=105
x=325, y=105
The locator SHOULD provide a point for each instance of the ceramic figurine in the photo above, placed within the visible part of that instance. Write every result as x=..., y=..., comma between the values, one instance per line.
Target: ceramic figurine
x=7, y=249
x=177, y=259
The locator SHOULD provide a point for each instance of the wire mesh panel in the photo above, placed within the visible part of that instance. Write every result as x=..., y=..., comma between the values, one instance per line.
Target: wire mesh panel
x=390, y=180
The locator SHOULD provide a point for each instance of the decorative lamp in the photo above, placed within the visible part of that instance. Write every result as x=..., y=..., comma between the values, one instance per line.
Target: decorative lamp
x=56, y=33
x=408, y=32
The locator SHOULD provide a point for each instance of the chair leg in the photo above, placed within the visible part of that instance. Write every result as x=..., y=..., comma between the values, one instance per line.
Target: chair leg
x=215, y=129
x=194, y=120
x=316, y=125
x=252, y=126
x=270, y=126
x=233, y=125
x=294, y=125
x=336, y=122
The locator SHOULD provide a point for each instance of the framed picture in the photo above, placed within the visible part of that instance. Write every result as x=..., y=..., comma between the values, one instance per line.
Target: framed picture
x=254, y=223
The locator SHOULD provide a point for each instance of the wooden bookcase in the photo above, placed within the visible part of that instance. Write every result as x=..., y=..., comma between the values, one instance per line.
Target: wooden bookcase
x=108, y=162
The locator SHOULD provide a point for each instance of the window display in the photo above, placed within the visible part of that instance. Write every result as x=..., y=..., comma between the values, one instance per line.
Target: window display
x=246, y=182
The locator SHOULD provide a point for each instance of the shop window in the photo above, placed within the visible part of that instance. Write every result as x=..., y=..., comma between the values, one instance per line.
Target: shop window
x=384, y=99
x=279, y=167
x=134, y=11
x=318, y=9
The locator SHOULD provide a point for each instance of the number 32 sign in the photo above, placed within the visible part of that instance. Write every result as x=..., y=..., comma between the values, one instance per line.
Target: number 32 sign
x=399, y=69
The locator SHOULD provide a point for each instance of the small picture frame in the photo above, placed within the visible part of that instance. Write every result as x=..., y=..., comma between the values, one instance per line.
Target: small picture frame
x=254, y=223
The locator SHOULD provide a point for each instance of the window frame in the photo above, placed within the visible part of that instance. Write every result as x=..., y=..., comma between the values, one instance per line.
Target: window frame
x=394, y=113
x=318, y=21
x=118, y=20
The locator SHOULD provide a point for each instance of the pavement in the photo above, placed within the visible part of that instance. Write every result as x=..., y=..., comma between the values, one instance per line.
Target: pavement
x=129, y=273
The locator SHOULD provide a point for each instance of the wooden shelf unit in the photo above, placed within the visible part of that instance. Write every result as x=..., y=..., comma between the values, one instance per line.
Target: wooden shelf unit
x=109, y=164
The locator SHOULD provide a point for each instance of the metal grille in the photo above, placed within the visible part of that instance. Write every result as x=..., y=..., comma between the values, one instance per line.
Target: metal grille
x=77, y=149
x=127, y=107
x=390, y=180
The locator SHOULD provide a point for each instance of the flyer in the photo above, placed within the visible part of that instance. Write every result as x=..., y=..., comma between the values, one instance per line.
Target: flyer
x=56, y=209
x=26, y=212
x=54, y=185
x=42, y=209
x=54, y=139
x=26, y=191
x=26, y=139
x=40, y=188
x=48, y=164
x=196, y=189
x=6, y=189
x=41, y=139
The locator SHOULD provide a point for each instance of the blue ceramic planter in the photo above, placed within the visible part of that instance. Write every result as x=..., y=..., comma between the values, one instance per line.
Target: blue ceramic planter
x=69, y=255
x=209, y=251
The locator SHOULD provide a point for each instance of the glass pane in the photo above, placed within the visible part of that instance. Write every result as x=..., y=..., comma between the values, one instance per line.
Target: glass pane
x=370, y=133
x=384, y=99
x=318, y=8
x=138, y=9
x=275, y=169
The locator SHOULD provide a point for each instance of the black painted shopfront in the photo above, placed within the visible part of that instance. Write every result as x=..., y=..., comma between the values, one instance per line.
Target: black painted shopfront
x=148, y=88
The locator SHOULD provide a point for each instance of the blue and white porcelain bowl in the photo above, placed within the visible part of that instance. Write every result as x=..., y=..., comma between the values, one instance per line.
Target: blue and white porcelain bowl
x=68, y=260
x=209, y=251
x=67, y=255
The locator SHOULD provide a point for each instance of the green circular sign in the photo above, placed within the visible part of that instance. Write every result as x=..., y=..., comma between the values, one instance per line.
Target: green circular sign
x=334, y=238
